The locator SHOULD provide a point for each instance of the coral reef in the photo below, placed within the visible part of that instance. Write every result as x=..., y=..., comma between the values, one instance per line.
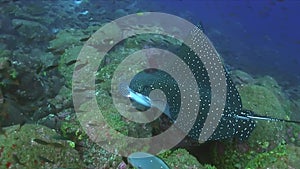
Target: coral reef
x=180, y=159
x=65, y=39
x=270, y=142
x=239, y=77
x=69, y=55
x=35, y=146
x=31, y=30
x=262, y=101
x=283, y=156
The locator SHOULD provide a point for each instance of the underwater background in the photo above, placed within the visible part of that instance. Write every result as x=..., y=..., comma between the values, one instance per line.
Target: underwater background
x=258, y=41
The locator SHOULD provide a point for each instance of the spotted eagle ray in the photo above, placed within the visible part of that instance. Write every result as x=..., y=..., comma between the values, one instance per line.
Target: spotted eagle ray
x=235, y=122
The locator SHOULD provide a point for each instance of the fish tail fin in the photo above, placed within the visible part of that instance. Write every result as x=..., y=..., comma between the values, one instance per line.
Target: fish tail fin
x=124, y=89
x=164, y=107
x=247, y=114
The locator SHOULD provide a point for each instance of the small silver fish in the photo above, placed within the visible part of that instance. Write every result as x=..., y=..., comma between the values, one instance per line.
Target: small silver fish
x=137, y=97
x=142, y=102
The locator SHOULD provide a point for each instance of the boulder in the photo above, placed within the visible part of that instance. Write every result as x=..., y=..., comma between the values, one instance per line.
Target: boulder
x=34, y=146
x=31, y=30
x=264, y=102
x=181, y=159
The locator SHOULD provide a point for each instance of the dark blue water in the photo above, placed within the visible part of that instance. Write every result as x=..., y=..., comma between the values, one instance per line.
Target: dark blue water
x=259, y=37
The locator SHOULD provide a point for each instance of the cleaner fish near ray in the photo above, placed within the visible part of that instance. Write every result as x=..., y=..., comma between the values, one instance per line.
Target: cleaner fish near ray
x=235, y=121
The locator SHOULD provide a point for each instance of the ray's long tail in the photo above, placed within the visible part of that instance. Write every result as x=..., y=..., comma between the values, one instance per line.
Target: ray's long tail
x=248, y=114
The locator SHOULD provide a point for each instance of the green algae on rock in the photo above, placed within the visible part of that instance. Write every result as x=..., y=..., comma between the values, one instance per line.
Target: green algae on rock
x=180, y=159
x=69, y=38
x=5, y=53
x=109, y=128
x=66, y=39
x=19, y=150
x=283, y=156
x=70, y=54
x=265, y=97
x=239, y=77
x=94, y=156
x=270, y=83
x=264, y=102
x=31, y=30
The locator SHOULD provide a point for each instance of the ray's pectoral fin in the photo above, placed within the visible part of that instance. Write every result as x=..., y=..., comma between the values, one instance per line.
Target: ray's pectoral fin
x=245, y=125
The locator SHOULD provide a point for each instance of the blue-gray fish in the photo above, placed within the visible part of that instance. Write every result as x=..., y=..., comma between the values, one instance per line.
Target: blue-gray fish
x=142, y=160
